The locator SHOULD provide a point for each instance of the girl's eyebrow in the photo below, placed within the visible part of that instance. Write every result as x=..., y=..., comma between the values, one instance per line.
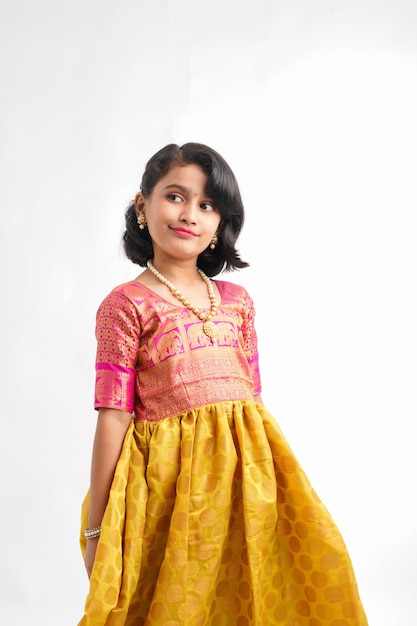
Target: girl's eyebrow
x=180, y=187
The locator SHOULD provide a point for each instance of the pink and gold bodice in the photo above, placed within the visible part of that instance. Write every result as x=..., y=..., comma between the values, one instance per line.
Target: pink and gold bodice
x=153, y=358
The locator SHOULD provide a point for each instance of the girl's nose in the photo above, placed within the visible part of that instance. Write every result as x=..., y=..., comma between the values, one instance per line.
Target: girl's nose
x=189, y=212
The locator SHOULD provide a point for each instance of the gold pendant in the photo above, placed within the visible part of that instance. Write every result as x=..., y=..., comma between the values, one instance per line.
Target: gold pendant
x=210, y=329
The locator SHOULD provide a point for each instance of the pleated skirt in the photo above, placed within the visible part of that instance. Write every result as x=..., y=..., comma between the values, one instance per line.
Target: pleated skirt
x=212, y=522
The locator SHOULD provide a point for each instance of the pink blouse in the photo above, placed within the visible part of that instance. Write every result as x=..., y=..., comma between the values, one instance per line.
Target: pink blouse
x=153, y=358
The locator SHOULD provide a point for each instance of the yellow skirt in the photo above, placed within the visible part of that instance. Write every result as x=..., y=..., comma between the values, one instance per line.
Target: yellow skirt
x=212, y=522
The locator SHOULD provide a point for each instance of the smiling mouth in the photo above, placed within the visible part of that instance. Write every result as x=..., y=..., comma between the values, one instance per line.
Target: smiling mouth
x=183, y=232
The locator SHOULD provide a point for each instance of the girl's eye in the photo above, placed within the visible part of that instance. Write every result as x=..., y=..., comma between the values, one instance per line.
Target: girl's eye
x=174, y=197
x=206, y=206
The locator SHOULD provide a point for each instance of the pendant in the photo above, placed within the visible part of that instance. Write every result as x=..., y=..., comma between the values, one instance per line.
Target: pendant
x=210, y=329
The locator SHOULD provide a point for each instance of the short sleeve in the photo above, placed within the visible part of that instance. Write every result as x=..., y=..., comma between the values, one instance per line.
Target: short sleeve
x=118, y=335
x=251, y=343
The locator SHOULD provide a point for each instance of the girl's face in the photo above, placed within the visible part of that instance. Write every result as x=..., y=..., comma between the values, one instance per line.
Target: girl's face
x=180, y=217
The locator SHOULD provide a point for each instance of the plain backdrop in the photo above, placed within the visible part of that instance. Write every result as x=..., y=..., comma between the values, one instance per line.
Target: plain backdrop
x=313, y=104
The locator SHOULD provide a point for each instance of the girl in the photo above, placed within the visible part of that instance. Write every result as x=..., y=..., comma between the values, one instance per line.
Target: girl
x=198, y=513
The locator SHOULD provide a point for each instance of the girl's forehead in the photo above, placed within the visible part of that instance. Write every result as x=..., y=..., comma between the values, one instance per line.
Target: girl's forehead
x=190, y=175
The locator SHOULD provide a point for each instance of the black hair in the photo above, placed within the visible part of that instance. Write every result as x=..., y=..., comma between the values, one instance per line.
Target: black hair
x=221, y=187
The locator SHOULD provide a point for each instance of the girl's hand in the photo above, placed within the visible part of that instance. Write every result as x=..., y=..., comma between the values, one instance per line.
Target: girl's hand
x=90, y=555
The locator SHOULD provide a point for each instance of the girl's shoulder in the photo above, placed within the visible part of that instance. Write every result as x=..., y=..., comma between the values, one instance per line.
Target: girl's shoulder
x=125, y=294
x=130, y=289
x=233, y=291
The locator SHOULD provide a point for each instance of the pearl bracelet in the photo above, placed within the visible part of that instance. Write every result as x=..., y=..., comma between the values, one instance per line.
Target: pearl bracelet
x=92, y=533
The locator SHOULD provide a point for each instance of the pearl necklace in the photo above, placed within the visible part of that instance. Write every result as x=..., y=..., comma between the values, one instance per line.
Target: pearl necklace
x=209, y=327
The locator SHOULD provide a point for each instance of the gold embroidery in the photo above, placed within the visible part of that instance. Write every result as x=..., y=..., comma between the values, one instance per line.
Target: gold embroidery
x=153, y=358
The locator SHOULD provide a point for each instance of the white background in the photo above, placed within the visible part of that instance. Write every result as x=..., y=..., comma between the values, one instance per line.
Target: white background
x=313, y=104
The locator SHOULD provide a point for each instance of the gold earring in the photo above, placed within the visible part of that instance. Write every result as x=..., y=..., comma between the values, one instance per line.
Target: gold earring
x=213, y=242
x=141, y=220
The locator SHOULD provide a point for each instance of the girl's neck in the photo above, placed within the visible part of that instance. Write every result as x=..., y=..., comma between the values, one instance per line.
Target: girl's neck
x=177, y=272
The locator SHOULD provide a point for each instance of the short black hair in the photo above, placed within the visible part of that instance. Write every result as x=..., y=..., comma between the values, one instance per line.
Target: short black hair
x=221, y=187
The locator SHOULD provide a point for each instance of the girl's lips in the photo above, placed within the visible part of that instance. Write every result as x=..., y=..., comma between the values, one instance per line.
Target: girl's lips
x=182, y=232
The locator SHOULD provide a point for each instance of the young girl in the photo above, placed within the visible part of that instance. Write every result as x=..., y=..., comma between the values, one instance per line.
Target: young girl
x=198, y=513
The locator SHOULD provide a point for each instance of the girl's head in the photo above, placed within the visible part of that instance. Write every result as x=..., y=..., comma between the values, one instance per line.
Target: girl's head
x=221, y=188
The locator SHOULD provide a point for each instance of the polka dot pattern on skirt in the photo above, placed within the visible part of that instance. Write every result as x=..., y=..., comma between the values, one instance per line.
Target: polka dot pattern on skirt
x=212, y=522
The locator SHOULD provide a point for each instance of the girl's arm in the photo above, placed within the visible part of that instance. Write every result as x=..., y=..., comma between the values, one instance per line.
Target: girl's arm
x=258, y=399
x=112, y=425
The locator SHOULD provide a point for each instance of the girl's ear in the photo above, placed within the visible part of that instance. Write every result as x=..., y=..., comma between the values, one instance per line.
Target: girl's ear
x=139, y=203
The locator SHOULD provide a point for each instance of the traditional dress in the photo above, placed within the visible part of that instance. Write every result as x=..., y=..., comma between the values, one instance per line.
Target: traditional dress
x=210, y=519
